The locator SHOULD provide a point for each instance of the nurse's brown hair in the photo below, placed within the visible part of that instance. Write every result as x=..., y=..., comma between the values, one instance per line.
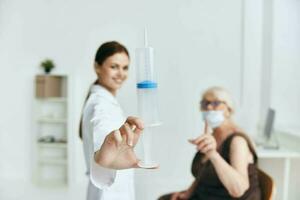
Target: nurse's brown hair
x=106, y=50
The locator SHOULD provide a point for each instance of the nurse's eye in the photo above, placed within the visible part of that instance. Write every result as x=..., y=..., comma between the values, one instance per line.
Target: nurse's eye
x=114, y=66
x=125, y=68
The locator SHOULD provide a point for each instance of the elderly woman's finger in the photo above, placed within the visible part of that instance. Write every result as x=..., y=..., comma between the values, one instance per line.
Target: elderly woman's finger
x=203, y=143
x=206, y=128
x=200, y=139
x=207, y=148
x=193, y=141
x=197, y=140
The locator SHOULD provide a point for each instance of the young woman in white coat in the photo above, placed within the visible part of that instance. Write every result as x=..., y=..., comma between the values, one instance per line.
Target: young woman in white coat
x=108, y=137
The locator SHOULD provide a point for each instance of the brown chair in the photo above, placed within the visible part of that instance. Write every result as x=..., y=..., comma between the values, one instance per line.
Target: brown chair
x=267, y=185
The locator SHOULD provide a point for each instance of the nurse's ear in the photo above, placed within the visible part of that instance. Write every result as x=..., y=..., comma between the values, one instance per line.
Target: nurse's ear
x=97, y=68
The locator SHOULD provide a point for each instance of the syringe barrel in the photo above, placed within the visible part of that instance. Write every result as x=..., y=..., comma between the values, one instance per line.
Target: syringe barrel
x=145, y=64
x=148, y=106
x=147, y=86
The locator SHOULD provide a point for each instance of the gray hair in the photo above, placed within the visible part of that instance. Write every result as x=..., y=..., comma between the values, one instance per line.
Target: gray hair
x=220, y=94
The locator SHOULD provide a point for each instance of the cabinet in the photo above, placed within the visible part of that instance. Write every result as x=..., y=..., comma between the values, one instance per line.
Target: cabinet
x=50, y=130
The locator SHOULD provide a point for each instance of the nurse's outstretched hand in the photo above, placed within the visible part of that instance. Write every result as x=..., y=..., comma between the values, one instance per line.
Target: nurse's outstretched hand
x=116, y=151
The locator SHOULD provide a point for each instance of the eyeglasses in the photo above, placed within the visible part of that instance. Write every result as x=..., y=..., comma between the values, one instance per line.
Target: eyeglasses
x=204, y=104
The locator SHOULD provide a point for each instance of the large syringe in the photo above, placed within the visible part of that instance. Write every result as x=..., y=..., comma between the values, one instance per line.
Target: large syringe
x=147, y=100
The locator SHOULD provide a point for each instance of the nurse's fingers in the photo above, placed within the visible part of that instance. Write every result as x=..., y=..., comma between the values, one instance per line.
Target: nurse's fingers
x=136, y=123
x=141, y=164
x=123, y=132
x=118, y=136
x=129, y=133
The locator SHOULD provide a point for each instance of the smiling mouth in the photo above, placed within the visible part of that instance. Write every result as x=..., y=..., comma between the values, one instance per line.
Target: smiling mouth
x=118, y=80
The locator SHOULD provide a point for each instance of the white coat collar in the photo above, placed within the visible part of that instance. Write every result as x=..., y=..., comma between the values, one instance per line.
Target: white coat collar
x=102, y=91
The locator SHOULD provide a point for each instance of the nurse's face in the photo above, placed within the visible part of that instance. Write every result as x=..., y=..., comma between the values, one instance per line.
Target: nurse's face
x=113, y=72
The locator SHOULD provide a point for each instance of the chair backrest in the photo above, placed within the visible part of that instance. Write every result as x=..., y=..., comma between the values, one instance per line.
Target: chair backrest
x=267, y=185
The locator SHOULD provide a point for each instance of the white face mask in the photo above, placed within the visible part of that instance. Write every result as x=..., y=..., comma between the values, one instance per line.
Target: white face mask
x=214, y=118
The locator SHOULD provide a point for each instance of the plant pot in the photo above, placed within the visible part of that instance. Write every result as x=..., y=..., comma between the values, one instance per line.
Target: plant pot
x=47, y=70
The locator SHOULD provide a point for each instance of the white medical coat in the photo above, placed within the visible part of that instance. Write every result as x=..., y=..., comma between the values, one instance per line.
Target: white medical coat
x=101, y=115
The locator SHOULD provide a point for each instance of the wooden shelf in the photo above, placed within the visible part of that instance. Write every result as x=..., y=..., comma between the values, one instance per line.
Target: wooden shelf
x=53, y=99
x=51, y=131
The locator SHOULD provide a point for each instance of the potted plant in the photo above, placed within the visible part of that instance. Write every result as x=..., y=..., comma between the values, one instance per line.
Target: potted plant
x=47, y=65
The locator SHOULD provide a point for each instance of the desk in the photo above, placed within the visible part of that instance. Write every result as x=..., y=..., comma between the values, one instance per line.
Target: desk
x=281, y=153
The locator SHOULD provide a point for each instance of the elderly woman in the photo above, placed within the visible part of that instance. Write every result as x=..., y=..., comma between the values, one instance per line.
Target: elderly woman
x=225, y=165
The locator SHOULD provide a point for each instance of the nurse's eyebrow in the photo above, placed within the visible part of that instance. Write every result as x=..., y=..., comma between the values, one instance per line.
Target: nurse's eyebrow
x=126, y=66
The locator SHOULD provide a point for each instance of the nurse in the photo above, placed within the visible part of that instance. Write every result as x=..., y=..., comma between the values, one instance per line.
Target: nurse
x=108, y=137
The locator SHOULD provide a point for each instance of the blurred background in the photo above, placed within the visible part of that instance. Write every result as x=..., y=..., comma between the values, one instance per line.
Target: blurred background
x=250, y=47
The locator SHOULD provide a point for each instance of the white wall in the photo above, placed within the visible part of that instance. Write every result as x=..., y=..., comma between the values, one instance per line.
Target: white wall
x=285, y=90
x=197, y=44
x=280, y=87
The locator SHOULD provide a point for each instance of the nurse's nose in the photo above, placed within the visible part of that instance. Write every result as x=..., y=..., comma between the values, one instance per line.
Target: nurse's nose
x=120, y=73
